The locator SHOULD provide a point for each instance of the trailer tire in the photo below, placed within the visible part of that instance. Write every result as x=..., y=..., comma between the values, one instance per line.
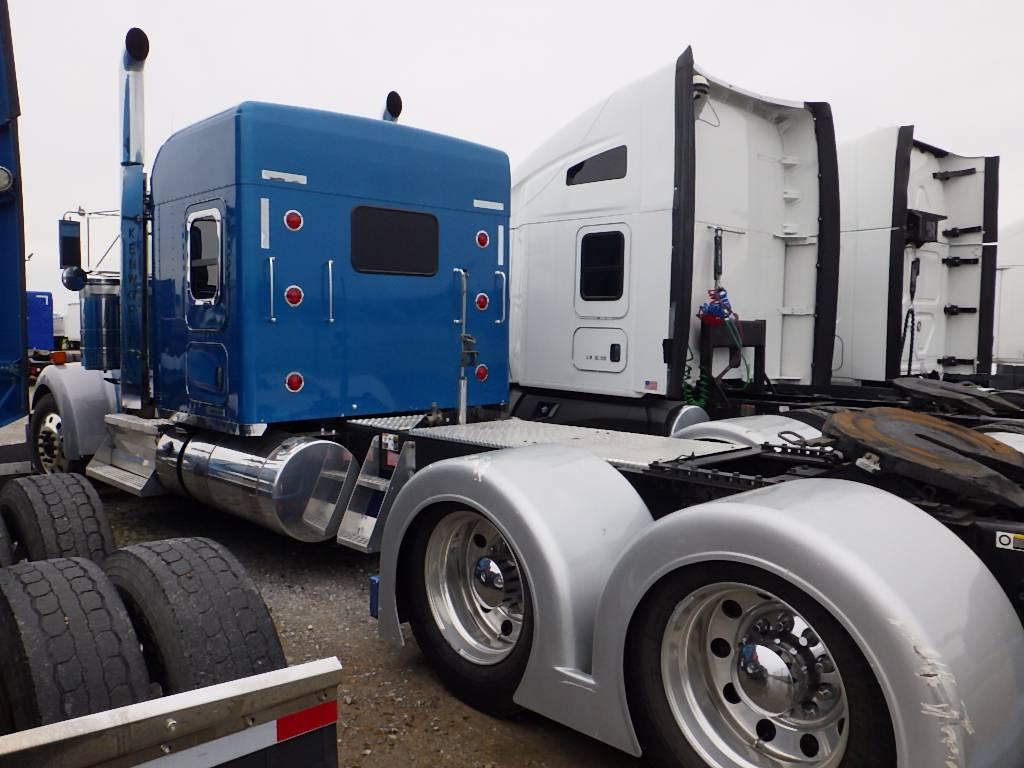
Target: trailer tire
x=197, y=613
x=858, y=723
x=45, y=431
x=67, y=646
x=55, y=515
x=487, y=685
x=6, y=552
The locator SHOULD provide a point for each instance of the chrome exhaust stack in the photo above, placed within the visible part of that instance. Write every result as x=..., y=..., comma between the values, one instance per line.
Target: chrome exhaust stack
x=136, y=50
x=296, y=486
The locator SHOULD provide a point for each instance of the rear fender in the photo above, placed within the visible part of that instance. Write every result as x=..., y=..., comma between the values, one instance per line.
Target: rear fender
x=83, y=399
x=568, y=515
x=942, y=637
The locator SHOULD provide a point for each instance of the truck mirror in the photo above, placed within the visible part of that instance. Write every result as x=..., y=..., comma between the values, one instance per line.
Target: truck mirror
x=70, y=234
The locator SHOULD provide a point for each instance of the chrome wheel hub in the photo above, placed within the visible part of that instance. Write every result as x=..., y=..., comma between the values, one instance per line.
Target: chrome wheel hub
x=50, y=444
x=750, y=682
x=474, y=587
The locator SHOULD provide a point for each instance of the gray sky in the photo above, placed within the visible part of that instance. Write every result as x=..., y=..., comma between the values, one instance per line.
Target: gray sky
x=503, y=74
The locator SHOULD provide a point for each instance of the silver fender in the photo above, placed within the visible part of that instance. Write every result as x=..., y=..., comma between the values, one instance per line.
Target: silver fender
x=942, y=637
x=83, y=399
x=568, y=516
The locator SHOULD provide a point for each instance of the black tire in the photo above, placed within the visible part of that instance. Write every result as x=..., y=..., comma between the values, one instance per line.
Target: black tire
x=871, y=743
x=47, y=406
x=487, y=688
x=67, y=646
x=196, y=611
x=55, y=516
x=6, y=552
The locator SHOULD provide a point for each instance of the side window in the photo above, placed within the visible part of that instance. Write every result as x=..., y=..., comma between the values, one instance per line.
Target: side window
x=204, y=255
x=602, y=266
x=390, y=242
x=608, y=165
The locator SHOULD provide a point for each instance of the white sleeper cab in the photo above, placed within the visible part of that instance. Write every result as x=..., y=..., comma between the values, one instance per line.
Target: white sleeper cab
x=918, y=259
x=628, y=216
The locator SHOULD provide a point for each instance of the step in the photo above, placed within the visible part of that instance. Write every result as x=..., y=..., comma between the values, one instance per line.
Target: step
x=136, y=485
x=372, y=481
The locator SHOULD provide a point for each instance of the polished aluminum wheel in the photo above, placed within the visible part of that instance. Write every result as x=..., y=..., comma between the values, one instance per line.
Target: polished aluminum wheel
x=473, y=587
x=751, y=683
x=50, y=444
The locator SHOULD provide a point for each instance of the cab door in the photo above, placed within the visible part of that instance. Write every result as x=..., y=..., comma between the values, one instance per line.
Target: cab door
x=13, y=342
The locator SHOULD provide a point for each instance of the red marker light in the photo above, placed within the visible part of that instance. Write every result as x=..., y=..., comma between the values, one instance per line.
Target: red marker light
x=293, y=220
x=293, y=296
x=481, y=372
x=482, y=301
x=294, y=382
x=482, y=239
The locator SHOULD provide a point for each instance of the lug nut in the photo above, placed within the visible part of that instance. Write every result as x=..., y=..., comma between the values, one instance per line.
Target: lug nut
x=783, y=623
x=808, y=639
x=826, y=691
x=823, y=665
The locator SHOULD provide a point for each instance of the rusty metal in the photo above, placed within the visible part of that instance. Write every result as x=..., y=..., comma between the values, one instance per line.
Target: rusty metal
x=959, y=397
x=933, y=451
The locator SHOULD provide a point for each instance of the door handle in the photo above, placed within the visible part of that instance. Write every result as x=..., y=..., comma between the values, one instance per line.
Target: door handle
x=330, y=290
x=504, y=297
x=464, y=276
x=270, y=263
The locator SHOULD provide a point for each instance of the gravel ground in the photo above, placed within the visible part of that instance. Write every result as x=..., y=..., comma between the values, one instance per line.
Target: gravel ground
x=393, y=710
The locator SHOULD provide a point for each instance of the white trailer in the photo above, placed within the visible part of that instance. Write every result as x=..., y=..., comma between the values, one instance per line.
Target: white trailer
x=918, y=259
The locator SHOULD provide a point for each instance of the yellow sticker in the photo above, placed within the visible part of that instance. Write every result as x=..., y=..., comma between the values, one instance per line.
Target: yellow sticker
x=1006, y=540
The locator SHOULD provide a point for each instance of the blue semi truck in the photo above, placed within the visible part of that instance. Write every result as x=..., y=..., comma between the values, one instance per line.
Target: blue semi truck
x=320, y=347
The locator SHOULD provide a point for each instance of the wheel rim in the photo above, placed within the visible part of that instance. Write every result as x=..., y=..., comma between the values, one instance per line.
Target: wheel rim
x=50, y=444
x=474, y=587
x=750, y=682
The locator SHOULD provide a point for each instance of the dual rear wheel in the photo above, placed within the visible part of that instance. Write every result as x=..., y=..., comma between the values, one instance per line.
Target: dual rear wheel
x=727, y=665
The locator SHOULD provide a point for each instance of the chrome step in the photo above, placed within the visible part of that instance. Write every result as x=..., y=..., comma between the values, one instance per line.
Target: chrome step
x=362, y=525
x=134, y=484
x=376, y=483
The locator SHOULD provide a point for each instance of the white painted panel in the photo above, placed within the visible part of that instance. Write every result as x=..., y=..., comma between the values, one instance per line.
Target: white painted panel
x=599, y=349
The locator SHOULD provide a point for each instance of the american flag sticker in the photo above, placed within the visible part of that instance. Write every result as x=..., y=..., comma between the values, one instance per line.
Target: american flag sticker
x=650, y=386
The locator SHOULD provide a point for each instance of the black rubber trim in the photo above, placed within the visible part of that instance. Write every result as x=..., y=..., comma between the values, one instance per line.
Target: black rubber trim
x=6, y=40
x=987, y=302
x=937, y=151
x=681, y=278
x=897, y=243
x=826, y=299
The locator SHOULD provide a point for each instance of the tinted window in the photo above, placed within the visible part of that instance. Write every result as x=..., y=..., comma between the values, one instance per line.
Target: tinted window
x=602, y=255
x=394, y=242
x=608, y=165
x=204, y=257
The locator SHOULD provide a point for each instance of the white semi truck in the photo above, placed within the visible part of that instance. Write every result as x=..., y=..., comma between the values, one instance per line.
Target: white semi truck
x=827, y=588
x=918, y=259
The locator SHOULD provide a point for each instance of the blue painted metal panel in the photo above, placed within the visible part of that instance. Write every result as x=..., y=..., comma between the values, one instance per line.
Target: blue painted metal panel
x=13, y=342
x=39, y=312
x=393, y=346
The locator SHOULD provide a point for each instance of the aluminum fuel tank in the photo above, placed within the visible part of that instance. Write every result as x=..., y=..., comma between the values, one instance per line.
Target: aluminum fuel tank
x=297, y=486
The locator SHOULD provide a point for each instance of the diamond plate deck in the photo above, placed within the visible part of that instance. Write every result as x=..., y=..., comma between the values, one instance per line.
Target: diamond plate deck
x=627, y=450
x=391, y=423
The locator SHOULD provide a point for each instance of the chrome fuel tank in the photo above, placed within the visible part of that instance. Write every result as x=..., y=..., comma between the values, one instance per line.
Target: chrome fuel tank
x=297, y=486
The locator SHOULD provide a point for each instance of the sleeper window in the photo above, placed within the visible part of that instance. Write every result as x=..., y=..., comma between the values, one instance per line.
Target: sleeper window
x=204, y=256
x=605, y=166
x=391, y=242
x=602, y=265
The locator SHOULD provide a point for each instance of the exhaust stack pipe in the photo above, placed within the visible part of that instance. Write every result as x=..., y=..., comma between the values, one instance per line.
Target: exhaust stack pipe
x=134, y=323
x=136, y=49
x=392, y=107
